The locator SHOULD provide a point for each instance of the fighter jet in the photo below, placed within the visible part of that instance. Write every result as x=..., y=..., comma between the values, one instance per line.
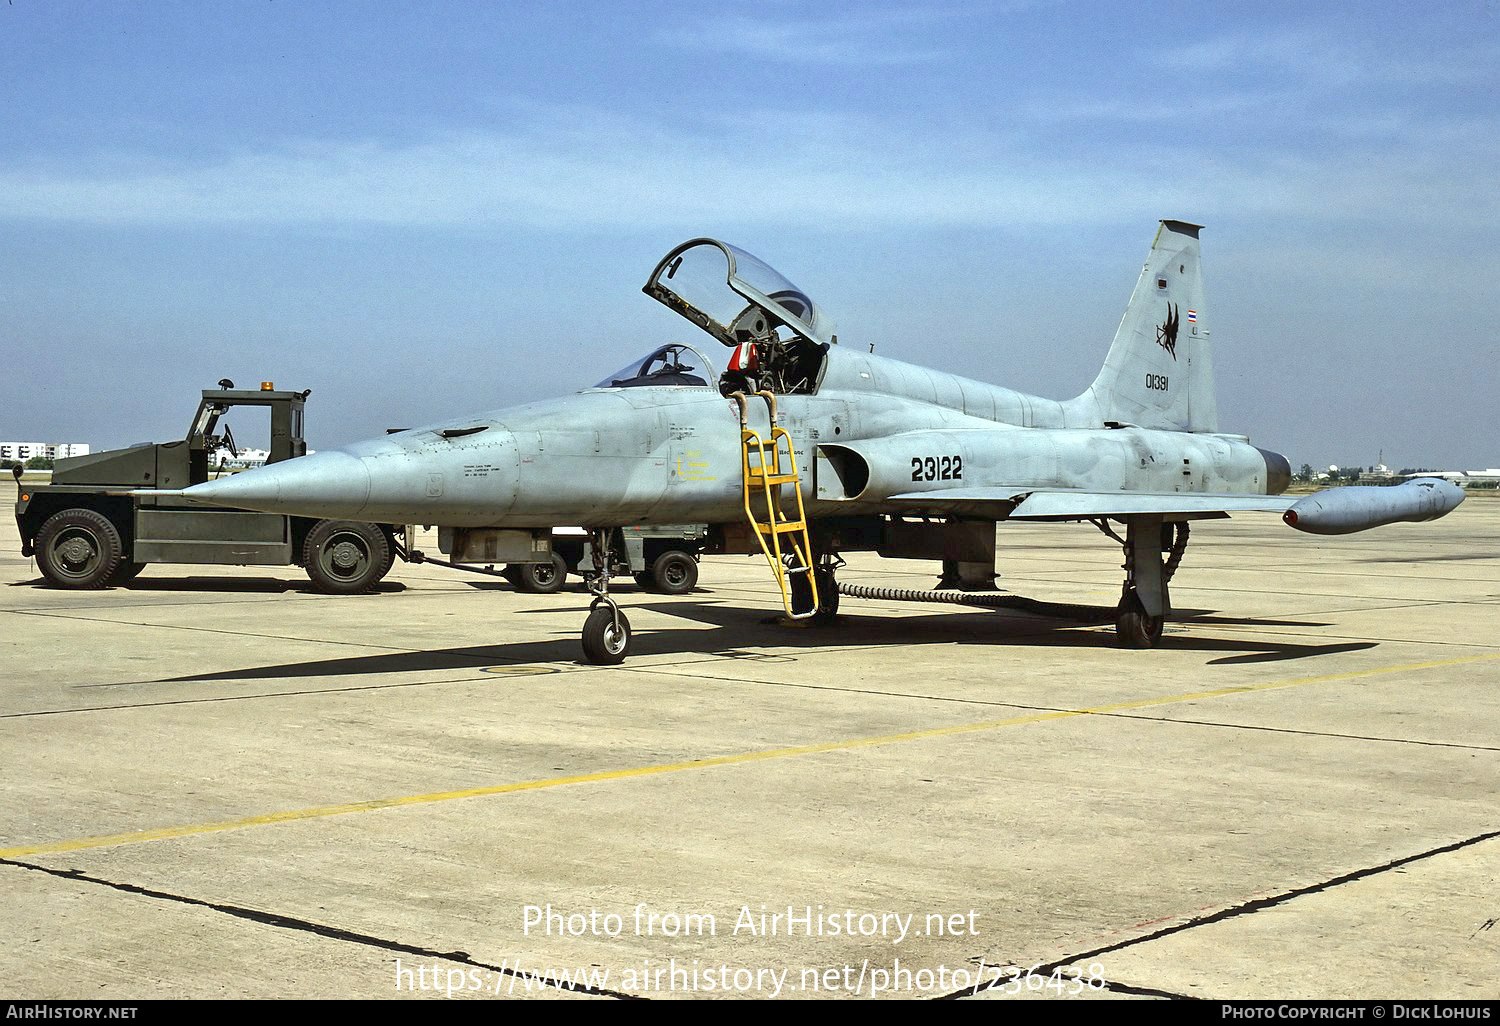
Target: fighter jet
x=803, y=448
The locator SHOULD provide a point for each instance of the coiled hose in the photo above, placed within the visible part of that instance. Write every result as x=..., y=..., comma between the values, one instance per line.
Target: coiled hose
x=1176, y=547
x=1058, y=610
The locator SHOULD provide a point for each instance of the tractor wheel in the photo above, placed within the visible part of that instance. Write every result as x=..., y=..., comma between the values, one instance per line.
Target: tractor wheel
x=79, y=548
x=343, y=557
x=542, y=578
x=675, y=572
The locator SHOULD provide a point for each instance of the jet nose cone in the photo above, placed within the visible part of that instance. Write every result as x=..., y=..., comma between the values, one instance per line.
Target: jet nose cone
x=325, y=484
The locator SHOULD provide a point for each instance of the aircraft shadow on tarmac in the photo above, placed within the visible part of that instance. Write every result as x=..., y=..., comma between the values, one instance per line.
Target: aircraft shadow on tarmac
x=739, y=631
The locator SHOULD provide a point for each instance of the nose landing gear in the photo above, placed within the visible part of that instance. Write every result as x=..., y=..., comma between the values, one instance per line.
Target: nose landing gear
x=606, y=632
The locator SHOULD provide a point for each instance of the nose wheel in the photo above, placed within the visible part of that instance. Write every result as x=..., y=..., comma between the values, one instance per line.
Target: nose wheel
x=606, y=632
x=606, y=635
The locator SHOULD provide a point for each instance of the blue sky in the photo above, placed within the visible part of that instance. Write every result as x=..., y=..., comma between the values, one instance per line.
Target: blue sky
x=427, y=209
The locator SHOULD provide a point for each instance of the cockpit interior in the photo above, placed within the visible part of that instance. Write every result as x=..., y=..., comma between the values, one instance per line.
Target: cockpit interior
x=778, y=336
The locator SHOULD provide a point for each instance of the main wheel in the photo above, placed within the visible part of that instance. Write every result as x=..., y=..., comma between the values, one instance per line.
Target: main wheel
x=79, y=548
x=1135, y=628
x=604, y=643
x=343, y=557
x=828, y=596
x=675, y=572
x=542, y=578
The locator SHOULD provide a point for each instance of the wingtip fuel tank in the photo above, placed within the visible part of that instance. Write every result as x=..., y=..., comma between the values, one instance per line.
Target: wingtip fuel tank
x=1359, y=507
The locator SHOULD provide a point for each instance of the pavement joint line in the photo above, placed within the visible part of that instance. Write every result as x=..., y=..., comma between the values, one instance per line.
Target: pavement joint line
x=245, y=600
x=855, y=647
x=260, y=695
x=219, y=630
x=710, y=762
x=1231, y=629
x=1248, y=907
x=484, y=675
x=1010, y=972
x=956, y=700
x=323, y=930
x=1306, y=733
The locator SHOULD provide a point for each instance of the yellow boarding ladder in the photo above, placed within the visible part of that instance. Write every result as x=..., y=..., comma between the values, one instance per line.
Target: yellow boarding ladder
x=764, y=475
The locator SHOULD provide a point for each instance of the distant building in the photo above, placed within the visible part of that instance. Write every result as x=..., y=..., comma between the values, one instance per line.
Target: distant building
x=50, y=450
x=244, y=461
x=1465, y=477
x=247, y=458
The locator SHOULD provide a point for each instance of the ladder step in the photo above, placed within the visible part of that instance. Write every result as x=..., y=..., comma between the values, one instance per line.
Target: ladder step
x=763, y=471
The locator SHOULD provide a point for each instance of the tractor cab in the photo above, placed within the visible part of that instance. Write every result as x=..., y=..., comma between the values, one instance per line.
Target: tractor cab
x=210, y=441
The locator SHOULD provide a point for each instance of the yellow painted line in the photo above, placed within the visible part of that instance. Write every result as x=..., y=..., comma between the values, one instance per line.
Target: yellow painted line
x=322, y=811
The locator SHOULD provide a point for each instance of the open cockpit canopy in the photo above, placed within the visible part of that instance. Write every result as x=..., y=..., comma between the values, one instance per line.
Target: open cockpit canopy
x=734, y=296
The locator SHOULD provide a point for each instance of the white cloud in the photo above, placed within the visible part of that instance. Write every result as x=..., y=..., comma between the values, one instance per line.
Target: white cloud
x=1320, y=59
x=816, y=41
x=867, y=36
x=575, y=166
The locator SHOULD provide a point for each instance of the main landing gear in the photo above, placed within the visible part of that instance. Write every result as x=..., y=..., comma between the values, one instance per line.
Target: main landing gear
x=606, y=632
x=1153, y=549
x=828, y=592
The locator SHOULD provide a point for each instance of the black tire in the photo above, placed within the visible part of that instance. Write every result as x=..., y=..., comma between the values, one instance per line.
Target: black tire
x=542, y=578
x=1134, y=628
x=675, y=572
x=79, y=548
x=645, y=581
x=828, y=596
x=602, y=644
x=126, y=572
x=390, y=555
x=343, y=557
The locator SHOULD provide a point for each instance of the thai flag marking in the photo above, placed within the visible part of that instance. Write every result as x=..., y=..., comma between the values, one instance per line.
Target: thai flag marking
x=1192, y=316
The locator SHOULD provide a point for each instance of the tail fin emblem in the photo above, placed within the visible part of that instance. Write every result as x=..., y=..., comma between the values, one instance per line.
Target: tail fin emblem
x=1166, y=332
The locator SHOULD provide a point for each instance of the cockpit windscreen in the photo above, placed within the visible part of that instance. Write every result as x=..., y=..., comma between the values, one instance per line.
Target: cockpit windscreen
x=675, y=364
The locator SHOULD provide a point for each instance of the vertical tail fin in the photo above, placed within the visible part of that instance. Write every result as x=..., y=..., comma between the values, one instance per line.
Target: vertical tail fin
x=1159, y=371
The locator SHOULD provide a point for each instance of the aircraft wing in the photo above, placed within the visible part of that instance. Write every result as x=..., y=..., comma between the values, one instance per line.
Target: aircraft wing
x=1029, y=503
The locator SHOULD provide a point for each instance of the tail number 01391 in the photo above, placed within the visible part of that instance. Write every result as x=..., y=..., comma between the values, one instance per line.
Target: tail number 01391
x=1157, y=382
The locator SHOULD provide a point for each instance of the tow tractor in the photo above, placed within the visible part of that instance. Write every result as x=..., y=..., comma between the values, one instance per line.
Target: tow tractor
x=92, y=526
x=97, y=525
